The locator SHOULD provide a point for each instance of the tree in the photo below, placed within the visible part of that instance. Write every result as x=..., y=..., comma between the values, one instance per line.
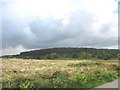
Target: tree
x=118, y=56
x=85, y=55
x=104, y=56
x=51, y=56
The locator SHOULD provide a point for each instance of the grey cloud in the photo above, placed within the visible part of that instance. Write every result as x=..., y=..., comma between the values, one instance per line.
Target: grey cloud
x=106, y=27
x=39, y=33
x=50, y=32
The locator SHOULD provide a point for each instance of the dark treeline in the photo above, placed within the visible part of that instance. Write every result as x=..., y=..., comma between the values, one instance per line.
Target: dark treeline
x=69, y=53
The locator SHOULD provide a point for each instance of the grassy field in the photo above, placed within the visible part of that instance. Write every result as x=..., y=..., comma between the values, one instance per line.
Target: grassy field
x=27, y=73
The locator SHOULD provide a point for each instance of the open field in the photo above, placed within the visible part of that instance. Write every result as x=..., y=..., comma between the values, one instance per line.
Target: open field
x=28, y=73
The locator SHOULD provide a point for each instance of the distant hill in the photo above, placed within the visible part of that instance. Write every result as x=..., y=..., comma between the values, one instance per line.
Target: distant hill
x=68, y=53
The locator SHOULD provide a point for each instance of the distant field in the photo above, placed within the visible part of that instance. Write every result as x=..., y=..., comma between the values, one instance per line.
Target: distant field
x=27, y=73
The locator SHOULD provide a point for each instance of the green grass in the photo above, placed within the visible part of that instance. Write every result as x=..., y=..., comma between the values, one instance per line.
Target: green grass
x=19, y=73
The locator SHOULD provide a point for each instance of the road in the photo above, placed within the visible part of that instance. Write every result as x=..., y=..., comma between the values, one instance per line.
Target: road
x=111, y=86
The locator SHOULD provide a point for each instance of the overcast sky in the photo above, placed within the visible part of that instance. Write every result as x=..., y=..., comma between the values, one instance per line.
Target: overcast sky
x=33, y=24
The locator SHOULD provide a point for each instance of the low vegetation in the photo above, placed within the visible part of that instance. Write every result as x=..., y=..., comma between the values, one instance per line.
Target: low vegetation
x=30, y=73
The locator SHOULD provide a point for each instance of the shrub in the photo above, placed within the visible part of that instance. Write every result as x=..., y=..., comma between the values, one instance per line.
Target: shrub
x=62, y=74
x=75, y=55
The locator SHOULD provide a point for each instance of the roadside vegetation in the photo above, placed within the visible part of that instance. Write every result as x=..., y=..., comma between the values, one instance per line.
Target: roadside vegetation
x=31, y=73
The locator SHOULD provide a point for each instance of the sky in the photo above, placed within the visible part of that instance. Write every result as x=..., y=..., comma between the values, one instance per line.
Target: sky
x=38, y=24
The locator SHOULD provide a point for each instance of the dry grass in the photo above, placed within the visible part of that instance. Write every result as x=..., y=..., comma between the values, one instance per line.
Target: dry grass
x=58, y=73
x=12, y=68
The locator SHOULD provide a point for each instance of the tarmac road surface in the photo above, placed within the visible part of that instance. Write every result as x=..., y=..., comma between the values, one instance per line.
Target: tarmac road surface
x=114, y=85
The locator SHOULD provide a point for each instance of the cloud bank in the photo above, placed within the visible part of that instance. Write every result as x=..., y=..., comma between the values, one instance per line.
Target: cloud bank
x=77, y=28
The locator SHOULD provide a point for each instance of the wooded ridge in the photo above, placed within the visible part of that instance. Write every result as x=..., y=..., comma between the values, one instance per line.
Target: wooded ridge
x=68, y=53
